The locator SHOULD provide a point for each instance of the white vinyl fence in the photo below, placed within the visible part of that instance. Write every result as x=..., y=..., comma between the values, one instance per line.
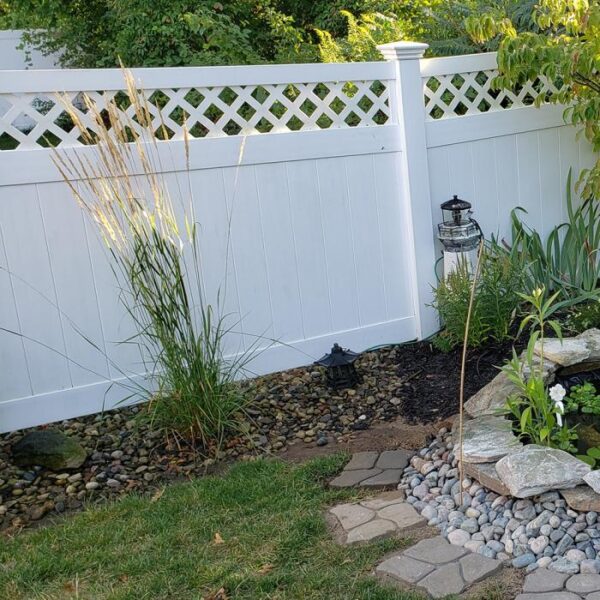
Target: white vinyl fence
x=316, y=189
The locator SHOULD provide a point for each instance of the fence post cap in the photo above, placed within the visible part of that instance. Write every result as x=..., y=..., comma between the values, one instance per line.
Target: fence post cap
x=402, y=50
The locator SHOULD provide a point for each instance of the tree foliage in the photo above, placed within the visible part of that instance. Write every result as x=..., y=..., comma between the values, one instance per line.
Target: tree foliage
x=566, y=51
x=96, y=33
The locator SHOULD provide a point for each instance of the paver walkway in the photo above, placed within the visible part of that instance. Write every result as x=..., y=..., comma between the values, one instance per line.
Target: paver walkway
x=384, y=516
x=543, y=584
x=438, y=568
x=374, y=469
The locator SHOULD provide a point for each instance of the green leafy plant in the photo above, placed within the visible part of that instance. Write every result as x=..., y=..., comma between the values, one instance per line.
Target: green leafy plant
x=495, y=303
x=591, y=457
x=563, y=50
x=538, y=418
x=567, y=262
x=583, y=398
x=155, y=258
x=583, y=316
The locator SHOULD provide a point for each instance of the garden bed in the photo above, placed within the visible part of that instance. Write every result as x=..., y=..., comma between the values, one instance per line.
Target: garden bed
x=293, y=412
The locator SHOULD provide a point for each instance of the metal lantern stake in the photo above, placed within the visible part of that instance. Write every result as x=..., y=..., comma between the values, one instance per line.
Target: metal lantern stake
x=340, y=370
x=460, y=234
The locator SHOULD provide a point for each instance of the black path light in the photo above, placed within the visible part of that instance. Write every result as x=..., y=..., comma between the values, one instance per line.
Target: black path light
x=340, y=369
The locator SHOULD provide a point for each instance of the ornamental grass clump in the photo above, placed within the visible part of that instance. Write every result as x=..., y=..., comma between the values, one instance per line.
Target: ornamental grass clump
x=191, y=384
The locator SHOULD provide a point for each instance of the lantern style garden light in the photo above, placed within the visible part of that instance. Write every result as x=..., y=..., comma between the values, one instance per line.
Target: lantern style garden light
x=459, y=233
x=340, y=370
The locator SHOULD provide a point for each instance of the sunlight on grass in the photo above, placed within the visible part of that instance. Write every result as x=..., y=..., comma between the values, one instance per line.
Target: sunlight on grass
x=268, y=514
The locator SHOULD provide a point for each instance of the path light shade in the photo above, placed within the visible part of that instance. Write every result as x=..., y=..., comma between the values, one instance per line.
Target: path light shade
x=459, y=233
x=340, y=369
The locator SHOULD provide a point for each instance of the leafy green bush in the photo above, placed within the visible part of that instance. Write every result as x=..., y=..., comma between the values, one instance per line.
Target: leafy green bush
x=583, y=398
x=494, y=307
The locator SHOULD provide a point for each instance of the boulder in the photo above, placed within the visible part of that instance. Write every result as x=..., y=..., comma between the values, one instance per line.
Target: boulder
x=48, y=448
x=487, y=476
x=582, y=498
x=591, y=338
x=487, y=439
x=538, y=469
x=490, y=398
x=593, y=480
x=565, y=352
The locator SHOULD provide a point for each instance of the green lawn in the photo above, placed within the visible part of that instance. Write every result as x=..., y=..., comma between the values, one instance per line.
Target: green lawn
x=268, y=514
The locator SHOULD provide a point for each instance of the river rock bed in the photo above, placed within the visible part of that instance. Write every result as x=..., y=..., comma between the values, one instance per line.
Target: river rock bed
x=529, y=533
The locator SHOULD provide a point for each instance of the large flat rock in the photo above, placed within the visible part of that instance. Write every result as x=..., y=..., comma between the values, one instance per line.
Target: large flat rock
x=490, y=398
x=487, y=439
x=487, y=476
x=582, y=498
x=536, y=469
x=565, y=352
x=593, y=480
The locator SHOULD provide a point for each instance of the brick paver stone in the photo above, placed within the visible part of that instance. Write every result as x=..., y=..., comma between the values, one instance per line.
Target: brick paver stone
x=543, y=580
x=351, y=478
x=373, y=530
x=405, y=568
x=550, y=596
x=443, y=581
x=387, y=478
x=384, y=499
x=583, y=584
x=475, y=567
x=362, y=460
x=393, y=459
x=352, y=515
x=436, y=551
x=403, y=515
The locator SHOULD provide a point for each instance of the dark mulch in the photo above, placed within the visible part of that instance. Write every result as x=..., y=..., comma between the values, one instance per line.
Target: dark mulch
x=432, y=378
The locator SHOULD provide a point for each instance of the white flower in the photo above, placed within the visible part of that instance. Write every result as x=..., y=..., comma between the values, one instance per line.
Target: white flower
x=557, y=393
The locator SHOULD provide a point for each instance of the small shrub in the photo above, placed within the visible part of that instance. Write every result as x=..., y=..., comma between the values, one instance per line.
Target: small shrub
x=495, y=302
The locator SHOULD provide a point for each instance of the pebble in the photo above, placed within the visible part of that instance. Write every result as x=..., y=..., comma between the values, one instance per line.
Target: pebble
x=531, y=533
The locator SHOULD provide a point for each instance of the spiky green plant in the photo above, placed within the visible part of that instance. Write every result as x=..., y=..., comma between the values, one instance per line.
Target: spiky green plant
x=193, y=390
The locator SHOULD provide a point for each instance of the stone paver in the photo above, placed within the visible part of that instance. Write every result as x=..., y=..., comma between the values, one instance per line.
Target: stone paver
x=542, y=580
x=373, y=519
x=475, y=567
x=352, y=515
x=374, y=469
x=385, y=479
x=543, y=584
x=436, y=551
x=393, y=459
x=403, y=515
x=443, y=581
x=583, y=584
x=352, y=478
x=438, y=568
x=405, y=568
x=371, y=531
x=362, y=460
x=384, y=499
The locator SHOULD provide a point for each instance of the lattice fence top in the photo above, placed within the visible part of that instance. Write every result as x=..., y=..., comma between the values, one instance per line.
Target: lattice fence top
x=459, y=94
x=31, y=120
